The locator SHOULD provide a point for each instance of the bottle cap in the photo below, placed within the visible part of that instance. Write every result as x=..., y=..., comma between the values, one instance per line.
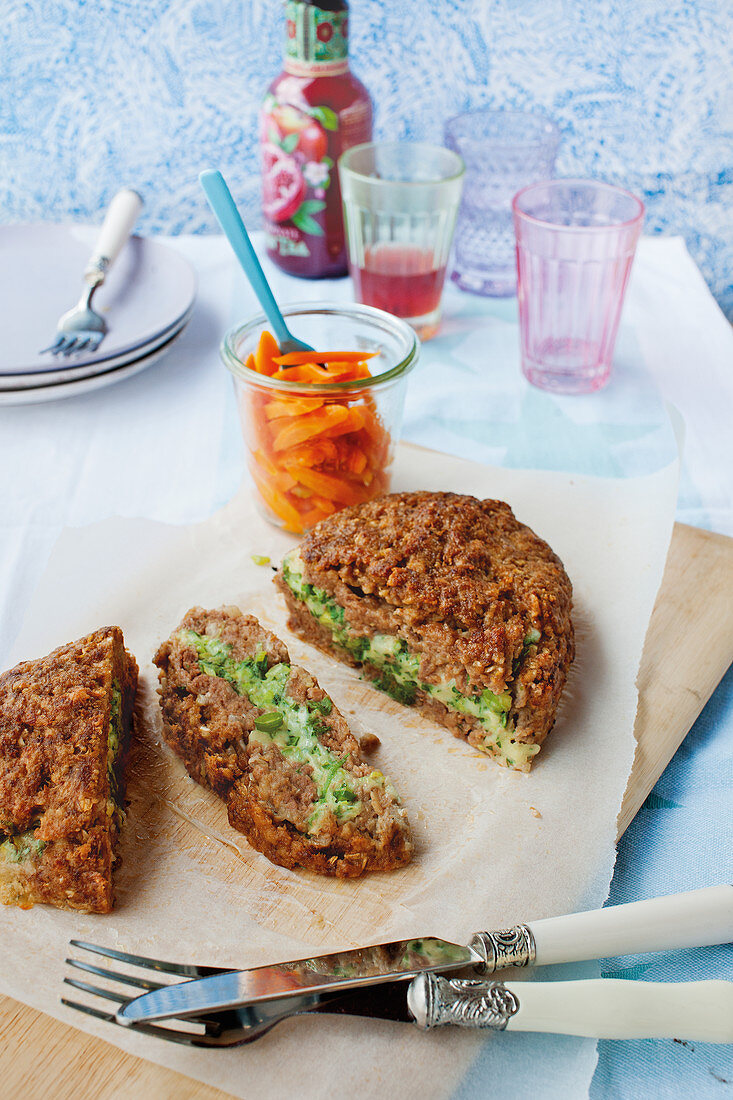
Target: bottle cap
x=316, y=38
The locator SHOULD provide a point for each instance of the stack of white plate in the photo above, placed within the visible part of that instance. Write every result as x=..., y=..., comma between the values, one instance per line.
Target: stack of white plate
x=146, y=301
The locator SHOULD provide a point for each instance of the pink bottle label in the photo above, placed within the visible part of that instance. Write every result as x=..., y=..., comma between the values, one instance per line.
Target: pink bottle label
x=296, y=173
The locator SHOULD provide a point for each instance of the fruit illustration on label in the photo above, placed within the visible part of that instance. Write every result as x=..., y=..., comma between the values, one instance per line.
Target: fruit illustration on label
x=283, y=189
x=296, y=171
x=270, y=153
x=312, y=142
x=289, y=120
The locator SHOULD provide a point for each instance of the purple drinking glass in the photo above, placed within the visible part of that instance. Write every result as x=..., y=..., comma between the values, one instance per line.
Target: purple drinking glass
x=575, y=246
x=502, y=151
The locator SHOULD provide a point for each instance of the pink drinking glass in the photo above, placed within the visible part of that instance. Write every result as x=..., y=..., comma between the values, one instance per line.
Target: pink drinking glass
x=575, y=246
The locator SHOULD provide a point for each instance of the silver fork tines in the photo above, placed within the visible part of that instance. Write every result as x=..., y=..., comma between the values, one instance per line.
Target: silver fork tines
x=222, y=1029
x=113, y=975
x=184, y=970
x=67, y=345
x=170, y=1034
x=95, y=990
x=81, y=329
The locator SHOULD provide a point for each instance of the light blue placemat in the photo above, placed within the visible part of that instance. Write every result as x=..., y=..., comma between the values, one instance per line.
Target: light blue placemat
x=467, y=396
x=681, y=839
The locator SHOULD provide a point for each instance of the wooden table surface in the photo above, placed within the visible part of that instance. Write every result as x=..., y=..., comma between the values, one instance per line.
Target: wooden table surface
x=688, y=648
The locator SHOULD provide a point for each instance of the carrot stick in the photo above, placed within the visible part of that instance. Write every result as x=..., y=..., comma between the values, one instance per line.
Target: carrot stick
x=352, y=422
x=264, y=356
x=304, y=372
x=292, y=406
x=315, y=453
x=297, y=430
x=296, y=358
x=338, y=372
x=362, y=371
x=255, y=426
x=279, y=504
x=326, y=506
x=326, y=485
x=281, y=479
x=357, y=461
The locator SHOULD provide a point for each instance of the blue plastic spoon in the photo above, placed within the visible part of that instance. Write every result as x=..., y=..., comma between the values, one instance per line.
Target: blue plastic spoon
x=227, y=215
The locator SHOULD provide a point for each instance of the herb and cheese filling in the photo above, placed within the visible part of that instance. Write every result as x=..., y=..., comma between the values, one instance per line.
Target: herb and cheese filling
x=293, y=727
x=21, y=847
x=399, y=670
x=114, y=741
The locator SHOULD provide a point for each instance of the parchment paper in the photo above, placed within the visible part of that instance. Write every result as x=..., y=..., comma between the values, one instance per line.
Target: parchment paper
x=493, y=847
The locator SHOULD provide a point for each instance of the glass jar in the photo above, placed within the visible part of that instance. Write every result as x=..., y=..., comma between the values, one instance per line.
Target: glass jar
x=313, y=448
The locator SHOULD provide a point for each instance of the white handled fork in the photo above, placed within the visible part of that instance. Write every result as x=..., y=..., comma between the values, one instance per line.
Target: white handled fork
x=81, y=329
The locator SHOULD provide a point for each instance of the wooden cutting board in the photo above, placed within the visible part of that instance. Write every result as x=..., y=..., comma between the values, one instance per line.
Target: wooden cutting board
x=688, y=648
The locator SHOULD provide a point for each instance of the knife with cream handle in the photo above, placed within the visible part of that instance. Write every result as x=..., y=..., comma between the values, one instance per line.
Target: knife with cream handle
x=694, y=919
x=671, y=923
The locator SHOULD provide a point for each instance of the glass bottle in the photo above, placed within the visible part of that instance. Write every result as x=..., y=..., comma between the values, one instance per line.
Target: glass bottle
x=314, y=110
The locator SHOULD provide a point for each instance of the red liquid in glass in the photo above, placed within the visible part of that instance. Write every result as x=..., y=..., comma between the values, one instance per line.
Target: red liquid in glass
x=400, y=279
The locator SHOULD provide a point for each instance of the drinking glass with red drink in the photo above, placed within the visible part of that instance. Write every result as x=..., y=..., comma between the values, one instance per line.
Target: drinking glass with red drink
x=400, y=205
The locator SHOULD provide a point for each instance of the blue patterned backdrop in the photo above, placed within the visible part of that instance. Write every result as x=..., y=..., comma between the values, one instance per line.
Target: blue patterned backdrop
x=97, y=93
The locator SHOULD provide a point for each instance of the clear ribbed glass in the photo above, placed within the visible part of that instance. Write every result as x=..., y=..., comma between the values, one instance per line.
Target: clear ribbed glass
x=575, y=246
x=400, y=205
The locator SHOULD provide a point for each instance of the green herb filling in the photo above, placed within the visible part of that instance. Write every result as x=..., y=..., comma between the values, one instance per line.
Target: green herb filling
x=114, y=741
x=292, y=726
x=22, y=846
x=399, y=669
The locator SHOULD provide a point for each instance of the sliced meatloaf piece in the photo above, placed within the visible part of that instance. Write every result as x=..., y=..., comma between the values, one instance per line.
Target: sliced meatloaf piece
x=65, y=723
x=449, y=604
x=262, y=734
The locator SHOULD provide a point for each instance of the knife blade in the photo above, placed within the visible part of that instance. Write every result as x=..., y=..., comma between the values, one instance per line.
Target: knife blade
x=343, y=971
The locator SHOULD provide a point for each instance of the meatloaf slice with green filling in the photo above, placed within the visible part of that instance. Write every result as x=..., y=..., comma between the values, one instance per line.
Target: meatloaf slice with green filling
x=262, y=734
x=65, y=723
x=449, y=604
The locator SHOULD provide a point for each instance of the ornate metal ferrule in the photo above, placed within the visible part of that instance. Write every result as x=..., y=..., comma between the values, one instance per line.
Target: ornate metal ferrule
x=509, y=947
x=464, y=1002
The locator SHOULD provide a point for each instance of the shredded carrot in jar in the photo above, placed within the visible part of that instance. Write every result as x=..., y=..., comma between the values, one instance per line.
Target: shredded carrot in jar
x=311, y=455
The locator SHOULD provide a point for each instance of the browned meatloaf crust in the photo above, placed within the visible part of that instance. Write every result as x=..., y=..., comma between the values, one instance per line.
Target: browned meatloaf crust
x=59, y=808
x=466, y=586
x=283, y=804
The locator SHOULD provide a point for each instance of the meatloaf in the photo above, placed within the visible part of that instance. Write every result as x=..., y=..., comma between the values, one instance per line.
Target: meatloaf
x=450, y=605
x=263, y=736
x=65, y=723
